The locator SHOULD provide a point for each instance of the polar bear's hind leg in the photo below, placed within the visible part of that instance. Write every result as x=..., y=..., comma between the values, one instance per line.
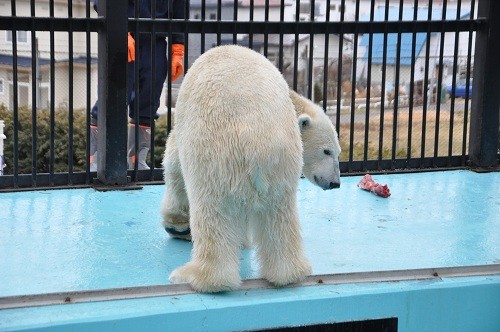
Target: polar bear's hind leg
x=214, y=265
x=279, y=245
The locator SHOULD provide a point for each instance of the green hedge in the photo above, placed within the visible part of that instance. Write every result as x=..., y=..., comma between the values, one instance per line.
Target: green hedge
x=61, y=140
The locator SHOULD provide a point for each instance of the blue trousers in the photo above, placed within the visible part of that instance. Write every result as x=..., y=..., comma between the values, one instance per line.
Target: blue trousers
x=149, y=91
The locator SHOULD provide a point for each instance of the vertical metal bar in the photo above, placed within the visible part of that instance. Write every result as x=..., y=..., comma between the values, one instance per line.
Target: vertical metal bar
x=137, y=90
x=368, y=87
x=266, y=35
x=383, y=92
x=467, y=82
x=112, y=120
x=353, y=89
x=397, y=66
x=412, y=85
x=169, y=60
x=425, y=89
x=250, y=32
x=88, y=89
x=52, y=96
x=70, y=94
x=325, y=59
x=34, y=65
x=454, y=80
x=187, y=15
x=202, y=35
x=484, y=125
x=15, y=103
x=296, y=48
x=152, y=95
x=339, y=68
x=439, y=85
x=219, y=19
x=310, y=71
x=235, y=19
x=282, y=19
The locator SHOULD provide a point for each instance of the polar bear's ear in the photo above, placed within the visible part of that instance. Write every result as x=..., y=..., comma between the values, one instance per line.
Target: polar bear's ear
x=304, y=121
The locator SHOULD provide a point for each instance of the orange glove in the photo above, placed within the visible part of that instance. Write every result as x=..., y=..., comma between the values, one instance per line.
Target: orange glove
x=131, y=48
x=177, y=62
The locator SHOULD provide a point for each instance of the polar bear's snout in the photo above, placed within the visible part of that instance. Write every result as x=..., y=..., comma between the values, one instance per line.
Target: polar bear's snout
x=334, y=185
x=325, y=184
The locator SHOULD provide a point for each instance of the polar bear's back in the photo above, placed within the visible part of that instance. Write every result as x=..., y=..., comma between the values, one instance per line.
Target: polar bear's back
x=233, y=79
x=236, y=125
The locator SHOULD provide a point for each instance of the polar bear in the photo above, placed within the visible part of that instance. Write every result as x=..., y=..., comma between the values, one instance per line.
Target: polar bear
x=232, y=165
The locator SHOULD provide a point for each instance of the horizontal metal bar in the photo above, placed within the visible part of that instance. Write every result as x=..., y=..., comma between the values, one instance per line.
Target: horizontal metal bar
x=42, y=180
x=77, y=24
x=357, y=166
x=314, y=27
x=273, y=27
x=61, y=180
x=403, y=164
x=113, y=294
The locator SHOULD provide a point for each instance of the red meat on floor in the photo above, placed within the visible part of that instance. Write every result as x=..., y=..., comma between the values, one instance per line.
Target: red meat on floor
x=367, y=183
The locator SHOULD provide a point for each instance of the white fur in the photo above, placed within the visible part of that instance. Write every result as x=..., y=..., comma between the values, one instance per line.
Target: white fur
x=232, y=164
x=319, y=137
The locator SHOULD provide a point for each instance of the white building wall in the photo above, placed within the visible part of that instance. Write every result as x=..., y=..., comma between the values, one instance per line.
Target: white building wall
x=60, y=38
x=4, y=87
x=42, y=47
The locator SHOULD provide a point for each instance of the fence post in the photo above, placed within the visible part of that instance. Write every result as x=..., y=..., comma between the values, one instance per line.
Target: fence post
x=484, y=125
x=112, y=94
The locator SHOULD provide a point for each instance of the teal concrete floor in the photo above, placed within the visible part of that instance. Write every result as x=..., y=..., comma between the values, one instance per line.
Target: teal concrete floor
x=82, y=239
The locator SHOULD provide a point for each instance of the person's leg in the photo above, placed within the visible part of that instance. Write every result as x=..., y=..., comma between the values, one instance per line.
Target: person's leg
x=139, y=152
x=93, y=139
x=149, y=101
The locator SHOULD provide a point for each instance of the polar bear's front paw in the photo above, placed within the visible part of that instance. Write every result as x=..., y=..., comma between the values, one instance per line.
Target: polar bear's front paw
x=206, y=281
x=289, y=272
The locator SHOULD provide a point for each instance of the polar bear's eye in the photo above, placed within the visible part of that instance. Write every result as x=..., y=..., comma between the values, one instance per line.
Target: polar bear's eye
x=327, y=152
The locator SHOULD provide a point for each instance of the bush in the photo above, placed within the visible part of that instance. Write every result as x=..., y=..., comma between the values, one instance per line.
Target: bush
x=160, y=139
x=61, y=139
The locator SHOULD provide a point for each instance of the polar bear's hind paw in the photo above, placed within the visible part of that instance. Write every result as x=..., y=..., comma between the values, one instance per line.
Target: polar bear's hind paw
x=180, y=234
x=205, y=281
x=288, y=274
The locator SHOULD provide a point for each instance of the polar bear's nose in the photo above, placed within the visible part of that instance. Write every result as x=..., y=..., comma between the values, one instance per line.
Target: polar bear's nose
x=334, y=185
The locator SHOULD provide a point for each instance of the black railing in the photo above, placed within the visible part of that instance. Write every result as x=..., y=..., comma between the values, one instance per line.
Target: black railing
x=387, y=74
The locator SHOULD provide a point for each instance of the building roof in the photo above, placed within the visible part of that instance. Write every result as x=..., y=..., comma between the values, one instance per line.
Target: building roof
x=80, y=59
x=406, y=38
x=22, y=61
x=25, y=61
x=210, y=3
x=274, y=39
x=262, y=3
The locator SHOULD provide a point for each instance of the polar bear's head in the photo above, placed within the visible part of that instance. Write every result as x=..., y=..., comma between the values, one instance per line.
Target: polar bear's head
x=321, y=148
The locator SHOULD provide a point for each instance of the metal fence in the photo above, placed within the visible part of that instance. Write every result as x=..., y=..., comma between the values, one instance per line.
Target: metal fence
x=410, y=85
